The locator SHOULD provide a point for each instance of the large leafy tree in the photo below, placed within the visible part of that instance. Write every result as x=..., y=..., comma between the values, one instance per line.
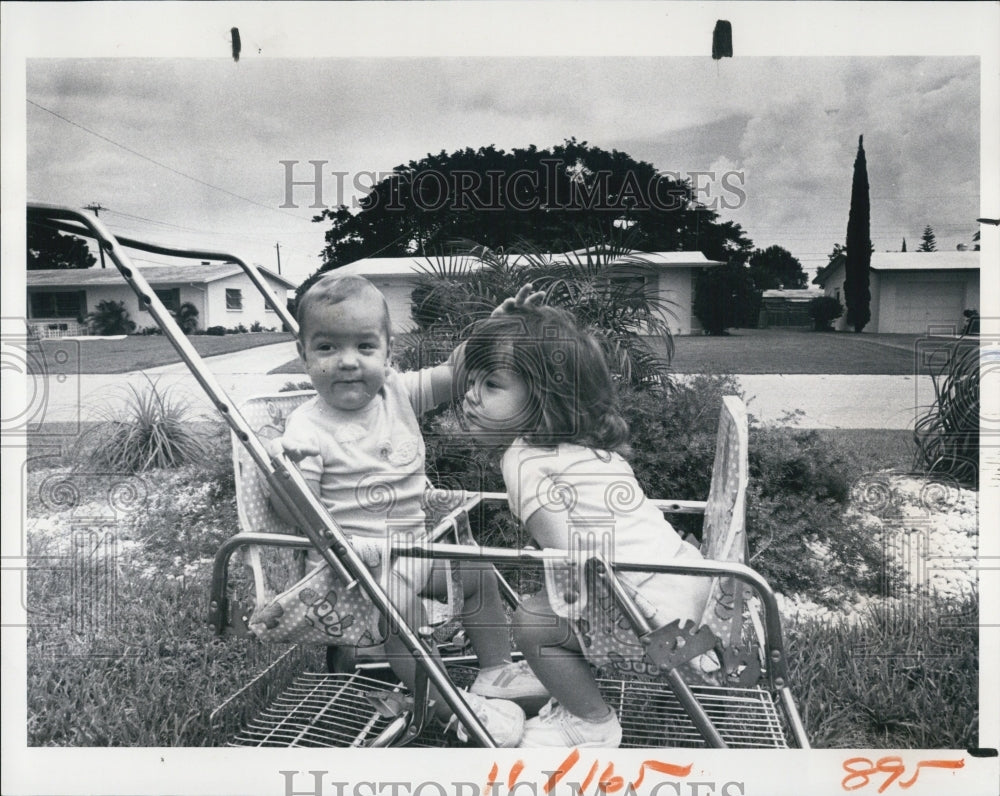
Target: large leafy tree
x=857, y=263
x=48, y=248
x=775, y=267
x=725, y=297
x=545, y=197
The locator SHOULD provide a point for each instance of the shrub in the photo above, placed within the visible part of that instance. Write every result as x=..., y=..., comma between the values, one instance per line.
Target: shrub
x=455, y=462
x=799, y=485
x=217, y=331
x=824, y=310
x=150, y=330
x=416, y=350
x=148, y=429
x=947, y=436
x=187, y=317
x=291, y=386
x=725, y=297
x=256, y=327
x=238, y=329
x=111, y=317
x=972, y=322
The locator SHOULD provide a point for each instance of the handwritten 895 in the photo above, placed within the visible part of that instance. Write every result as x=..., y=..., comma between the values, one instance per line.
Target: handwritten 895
x=862, y=771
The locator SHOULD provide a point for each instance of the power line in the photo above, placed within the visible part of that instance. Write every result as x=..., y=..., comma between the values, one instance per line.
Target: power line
x=170, y=225
x=164, y=165
x=207, y=231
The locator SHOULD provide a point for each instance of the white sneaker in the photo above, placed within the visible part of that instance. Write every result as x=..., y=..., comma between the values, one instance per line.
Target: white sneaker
x=556, y=726
x=502, y=719
x=509, y=681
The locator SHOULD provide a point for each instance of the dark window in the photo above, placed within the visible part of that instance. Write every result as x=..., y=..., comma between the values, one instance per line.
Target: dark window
x=170, y=297
x=234, y=298
x=57, y=304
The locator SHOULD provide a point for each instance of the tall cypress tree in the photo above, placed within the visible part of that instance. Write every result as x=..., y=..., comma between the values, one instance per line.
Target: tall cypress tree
x=857, y=267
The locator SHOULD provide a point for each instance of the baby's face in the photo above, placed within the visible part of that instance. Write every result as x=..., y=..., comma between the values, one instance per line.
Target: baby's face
x=345, y=351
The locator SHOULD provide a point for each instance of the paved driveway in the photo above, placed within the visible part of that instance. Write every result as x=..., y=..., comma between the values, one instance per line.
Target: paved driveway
x=824, y=400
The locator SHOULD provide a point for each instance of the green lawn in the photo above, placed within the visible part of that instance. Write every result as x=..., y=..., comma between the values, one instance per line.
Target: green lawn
x=800, y=351
x=90, y=682
x=748, y=351
x=789, y=351
x=136, y=352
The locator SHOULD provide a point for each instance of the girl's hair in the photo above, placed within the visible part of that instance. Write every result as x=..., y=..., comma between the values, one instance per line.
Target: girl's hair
x=572, y=397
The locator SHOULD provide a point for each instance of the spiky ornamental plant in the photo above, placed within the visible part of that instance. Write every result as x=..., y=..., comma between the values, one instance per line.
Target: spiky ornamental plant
x=600, y=282
x=857, y=267
x=947, y=436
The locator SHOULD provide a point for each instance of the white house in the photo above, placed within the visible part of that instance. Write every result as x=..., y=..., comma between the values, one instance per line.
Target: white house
x=671, y=274
x=222, y=293
x=913, y=292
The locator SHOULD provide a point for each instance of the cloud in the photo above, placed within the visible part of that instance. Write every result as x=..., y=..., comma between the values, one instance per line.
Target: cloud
x=790, y=124
x=919, y=118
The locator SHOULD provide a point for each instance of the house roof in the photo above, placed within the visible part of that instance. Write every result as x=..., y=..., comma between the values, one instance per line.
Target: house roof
x=794, y=294
x=277, y=278
x=410, y=266
x=154, y=274
x=913, y=261
x=683, y=259
x=387, y=266
x=924, y=261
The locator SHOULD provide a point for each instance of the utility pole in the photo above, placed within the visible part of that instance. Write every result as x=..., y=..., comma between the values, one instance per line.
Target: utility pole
x=277, y=248
x=97, y=208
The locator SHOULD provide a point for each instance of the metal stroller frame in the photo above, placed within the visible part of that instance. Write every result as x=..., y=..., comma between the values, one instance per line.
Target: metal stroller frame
x=664, y=645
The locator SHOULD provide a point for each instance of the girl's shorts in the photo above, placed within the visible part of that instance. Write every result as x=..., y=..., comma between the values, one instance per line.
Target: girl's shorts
x=605, y=634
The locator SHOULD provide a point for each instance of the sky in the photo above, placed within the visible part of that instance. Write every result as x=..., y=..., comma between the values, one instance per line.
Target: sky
x=188, y=151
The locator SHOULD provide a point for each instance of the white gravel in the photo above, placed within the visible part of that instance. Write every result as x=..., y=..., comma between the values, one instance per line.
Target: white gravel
x=929, y=530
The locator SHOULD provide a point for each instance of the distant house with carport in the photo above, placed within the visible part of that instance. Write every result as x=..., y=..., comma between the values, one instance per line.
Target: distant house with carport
x=671, y=274
x=59, y=299
x=913, y=292
x=786, y=307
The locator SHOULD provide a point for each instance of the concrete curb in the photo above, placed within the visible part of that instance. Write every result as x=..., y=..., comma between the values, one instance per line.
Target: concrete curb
x=819, y=401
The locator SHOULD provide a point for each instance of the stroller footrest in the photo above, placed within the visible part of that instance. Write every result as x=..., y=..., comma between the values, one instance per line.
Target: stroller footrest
x=322, y=710
x=336, y=710
x=674, y=644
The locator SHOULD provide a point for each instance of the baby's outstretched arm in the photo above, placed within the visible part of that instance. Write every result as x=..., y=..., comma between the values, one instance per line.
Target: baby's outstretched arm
x=527, y=296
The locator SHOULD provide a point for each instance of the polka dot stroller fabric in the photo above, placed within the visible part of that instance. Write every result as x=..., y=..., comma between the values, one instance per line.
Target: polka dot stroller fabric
x=293, y=604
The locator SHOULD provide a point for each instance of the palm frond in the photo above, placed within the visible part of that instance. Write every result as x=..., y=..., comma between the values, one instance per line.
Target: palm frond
x=604, y=282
